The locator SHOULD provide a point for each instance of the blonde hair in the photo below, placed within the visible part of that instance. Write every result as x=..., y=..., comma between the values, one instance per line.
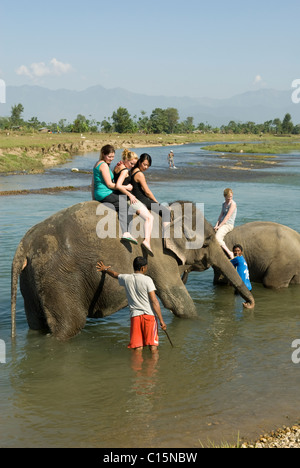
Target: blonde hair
x=227, y=191
x=129, y=155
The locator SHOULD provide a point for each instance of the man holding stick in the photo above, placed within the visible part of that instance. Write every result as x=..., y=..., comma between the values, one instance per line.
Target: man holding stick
x=143, y=304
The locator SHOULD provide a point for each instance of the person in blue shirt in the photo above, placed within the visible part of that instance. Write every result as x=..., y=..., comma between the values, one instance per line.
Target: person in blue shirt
x=241, y=265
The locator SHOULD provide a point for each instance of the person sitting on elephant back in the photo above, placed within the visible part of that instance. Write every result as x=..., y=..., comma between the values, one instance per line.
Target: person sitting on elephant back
x=122, y=177
x=226, y=220
x=240, y=264
x=142, y=192
x=143, y=304
x=103, y=189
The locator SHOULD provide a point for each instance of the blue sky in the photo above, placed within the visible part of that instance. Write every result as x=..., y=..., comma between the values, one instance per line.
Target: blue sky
x=175, y=48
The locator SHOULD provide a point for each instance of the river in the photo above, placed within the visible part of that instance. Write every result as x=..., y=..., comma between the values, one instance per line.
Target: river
x=229, y=374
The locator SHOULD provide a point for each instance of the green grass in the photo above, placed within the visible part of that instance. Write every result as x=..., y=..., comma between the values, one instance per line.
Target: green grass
x=266, y=147
x=21, y=162
x=211, y=444
x=26, y=150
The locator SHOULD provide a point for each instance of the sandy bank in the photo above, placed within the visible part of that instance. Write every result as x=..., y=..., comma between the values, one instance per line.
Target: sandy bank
x=34, y=153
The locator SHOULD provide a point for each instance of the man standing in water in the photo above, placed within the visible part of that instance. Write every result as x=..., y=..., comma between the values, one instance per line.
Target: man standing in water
x=143, y=304
x=171, y=160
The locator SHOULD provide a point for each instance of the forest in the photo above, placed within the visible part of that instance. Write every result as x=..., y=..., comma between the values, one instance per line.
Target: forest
x=159, y=121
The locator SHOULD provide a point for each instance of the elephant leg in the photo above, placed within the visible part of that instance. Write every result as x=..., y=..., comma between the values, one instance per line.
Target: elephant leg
x=65, y=317
x=295, y=279
x=277, y=277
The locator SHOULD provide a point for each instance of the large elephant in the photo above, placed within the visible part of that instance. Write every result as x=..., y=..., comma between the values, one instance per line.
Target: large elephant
x=56, y=261
x=271, y=250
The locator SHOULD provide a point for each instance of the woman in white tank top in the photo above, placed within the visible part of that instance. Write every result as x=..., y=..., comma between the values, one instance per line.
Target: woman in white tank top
x=226, y=220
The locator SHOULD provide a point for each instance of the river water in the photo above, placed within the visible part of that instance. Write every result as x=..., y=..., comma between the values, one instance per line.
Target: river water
x=229, y=374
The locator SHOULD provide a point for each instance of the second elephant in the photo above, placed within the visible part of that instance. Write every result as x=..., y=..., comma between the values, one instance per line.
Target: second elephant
x=271, y=250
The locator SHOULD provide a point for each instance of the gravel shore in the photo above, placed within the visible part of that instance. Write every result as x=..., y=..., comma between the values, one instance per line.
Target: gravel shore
x=285, y=437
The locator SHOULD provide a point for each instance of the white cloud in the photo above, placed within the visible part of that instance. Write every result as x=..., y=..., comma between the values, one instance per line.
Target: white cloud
x=257, y=80
x=60, y=68
x=40, y=69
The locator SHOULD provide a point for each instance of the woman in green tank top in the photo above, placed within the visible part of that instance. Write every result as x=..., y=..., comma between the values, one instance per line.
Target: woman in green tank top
x=103, y=188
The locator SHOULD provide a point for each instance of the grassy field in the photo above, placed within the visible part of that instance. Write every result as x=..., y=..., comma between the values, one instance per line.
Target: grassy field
x=46, y=140
x=272, y=146
x=36, y=151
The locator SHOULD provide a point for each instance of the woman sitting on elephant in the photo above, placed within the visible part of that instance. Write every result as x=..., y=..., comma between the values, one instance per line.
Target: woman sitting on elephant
x=122, y=178
x=103, y=189
x=142, y=192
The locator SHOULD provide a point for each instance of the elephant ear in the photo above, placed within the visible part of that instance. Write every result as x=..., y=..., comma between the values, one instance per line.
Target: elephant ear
x=180, y=239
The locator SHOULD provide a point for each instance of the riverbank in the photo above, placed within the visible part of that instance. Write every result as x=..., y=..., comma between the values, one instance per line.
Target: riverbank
x=35, y=152
x=285, y=437
x=282, y=145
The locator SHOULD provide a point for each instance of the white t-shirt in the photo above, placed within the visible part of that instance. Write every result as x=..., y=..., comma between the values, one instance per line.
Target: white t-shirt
x=137, y=287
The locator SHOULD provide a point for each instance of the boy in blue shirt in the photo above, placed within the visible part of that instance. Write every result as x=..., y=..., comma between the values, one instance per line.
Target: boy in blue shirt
x=241, y=265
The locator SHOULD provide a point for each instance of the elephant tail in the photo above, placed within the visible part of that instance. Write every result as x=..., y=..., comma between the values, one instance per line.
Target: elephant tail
x=18, y=265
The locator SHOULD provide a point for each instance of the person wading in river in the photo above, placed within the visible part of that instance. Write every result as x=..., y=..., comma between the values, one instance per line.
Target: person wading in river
x=143, y=304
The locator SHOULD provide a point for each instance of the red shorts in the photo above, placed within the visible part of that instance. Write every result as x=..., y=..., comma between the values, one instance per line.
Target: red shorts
x=143, y=331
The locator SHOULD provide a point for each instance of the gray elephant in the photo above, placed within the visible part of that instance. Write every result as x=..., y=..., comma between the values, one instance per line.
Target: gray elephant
x=56, y=261
x=271, y=250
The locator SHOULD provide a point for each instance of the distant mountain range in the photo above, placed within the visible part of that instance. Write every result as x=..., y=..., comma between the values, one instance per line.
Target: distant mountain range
x=97, y=102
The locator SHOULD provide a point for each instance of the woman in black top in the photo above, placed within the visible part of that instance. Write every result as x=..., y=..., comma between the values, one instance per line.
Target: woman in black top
x=142, y=192
x=123, y=180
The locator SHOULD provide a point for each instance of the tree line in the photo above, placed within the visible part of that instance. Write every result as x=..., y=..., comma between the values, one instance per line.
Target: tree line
x=159, y=121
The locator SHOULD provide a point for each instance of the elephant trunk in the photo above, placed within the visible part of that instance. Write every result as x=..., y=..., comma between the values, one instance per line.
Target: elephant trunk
x=220, y=262
x=18, y=264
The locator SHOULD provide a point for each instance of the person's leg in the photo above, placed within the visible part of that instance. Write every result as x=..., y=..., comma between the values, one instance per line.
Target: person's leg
x=121, y=207
x=221, y=233
x=149, y=330
x=148, y=225
x=136, y=334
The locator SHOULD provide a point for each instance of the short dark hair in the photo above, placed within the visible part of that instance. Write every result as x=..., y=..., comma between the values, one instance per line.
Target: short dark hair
x=139, y=262
x=237, y=246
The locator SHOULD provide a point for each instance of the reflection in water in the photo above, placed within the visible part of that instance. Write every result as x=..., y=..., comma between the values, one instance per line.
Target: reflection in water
x=143, y=396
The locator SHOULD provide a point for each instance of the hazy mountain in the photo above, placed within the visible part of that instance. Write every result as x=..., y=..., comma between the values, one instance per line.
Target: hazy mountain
x=97, y=102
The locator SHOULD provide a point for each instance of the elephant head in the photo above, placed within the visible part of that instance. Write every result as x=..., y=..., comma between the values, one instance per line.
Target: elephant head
x=192, y=239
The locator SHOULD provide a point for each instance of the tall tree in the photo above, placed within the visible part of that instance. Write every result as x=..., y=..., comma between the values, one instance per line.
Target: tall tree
x=287, y=124
x=80, y=124
x=123, y=123
x=172, y=117
x=277, y=125
x=158, y=121
x=16, y=112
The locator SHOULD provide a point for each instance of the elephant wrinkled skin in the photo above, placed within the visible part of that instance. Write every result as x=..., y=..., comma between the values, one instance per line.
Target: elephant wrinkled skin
x=56, y=261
